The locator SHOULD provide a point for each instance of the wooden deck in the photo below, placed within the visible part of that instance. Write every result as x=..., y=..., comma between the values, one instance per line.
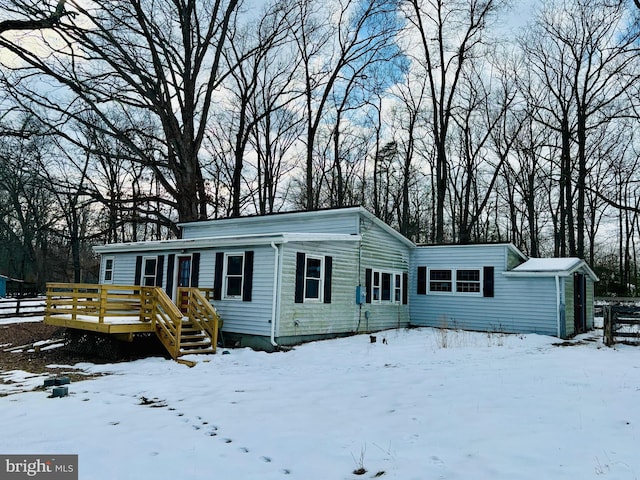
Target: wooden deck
x=125, y=310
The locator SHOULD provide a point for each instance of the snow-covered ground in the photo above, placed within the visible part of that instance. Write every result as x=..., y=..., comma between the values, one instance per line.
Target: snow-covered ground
x=423, y=404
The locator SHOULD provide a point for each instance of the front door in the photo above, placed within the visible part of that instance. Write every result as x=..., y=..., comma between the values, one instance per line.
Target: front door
x=580, y=303
x=184, y=278
x=184, y=271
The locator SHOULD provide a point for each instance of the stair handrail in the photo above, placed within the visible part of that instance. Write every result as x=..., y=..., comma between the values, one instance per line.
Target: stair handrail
x=166, y=318
x=203, y=315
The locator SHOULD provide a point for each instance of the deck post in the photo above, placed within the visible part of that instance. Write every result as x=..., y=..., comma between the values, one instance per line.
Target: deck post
x=103, y=303
x=74, y=302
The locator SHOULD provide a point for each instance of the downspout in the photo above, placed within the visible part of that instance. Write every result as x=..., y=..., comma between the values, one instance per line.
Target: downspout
x=558, y=305
x=274, y=300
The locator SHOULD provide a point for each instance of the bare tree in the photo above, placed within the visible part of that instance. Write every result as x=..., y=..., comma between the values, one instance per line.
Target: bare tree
x=584, y=55
x=261, y=67
x=336, y=44
x=161, y=57
x=451, y=35
x=478, y=121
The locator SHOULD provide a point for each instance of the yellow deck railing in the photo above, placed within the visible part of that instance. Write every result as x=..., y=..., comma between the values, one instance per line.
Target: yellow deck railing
x=128, y=309
x=82, y=301
x=200, y=312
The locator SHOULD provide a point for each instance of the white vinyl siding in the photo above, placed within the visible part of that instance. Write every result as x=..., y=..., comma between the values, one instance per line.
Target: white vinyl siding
x=519, y=304
x=317, y=317
x=383, y=253
x=254, y=317
x=321, y=222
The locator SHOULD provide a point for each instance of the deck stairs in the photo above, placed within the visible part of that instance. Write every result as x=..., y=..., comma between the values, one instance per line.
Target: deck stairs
x=194, y=340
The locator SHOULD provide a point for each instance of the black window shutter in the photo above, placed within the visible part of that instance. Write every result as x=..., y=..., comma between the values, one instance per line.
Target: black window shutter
x=487, y=289
x=328, y=267
x=422, y=281
x=138, y=274
x=171, y=260
x=300, y=261
x=217, y=278
x=248, y=276
x=367, y=284
x=405, y=291
x=195, y=268
x=159, y=270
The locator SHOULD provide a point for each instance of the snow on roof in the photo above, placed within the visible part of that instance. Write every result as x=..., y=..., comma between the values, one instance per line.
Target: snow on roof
x=551, y=267
x=548, y=264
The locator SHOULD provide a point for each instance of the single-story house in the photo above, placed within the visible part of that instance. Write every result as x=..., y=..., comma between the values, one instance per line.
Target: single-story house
x=286, y=278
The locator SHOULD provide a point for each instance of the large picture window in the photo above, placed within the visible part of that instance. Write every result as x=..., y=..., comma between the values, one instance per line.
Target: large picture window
x=233, y=275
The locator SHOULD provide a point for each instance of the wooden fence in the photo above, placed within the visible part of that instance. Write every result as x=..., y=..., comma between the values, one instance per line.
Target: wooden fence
x=22, y=307
x=621, y=324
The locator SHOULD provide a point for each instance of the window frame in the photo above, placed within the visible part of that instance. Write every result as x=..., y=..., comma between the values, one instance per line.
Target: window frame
x=469, y=282
x=455, y=282
x=226, y=276
x=379, y=292
x=112, y=259
x=320, y=279
x=143, y=271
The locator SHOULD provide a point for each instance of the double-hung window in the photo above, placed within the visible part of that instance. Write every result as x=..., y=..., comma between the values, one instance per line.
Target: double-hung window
x=108, y=270
x=313, y=278
x=233, y=275
x=440, y=280
x=149, y=271
x=467, y=281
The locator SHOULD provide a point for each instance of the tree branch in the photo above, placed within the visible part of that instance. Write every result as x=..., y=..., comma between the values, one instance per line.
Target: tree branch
x=31, y=24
